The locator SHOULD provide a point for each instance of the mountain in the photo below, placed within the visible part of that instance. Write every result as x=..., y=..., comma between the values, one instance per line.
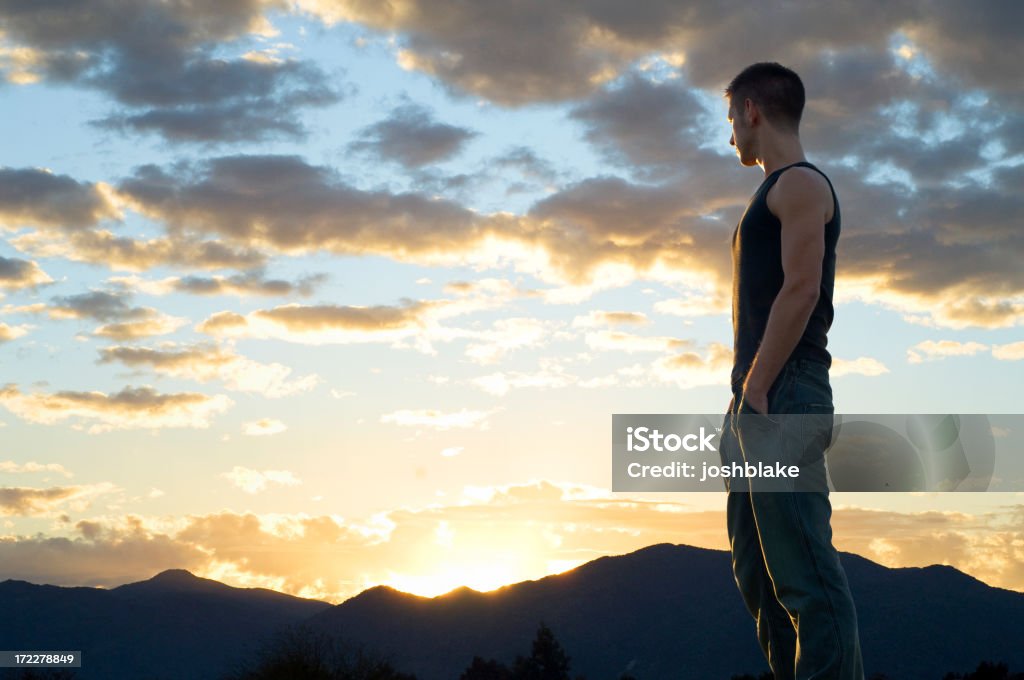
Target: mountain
x=673, y=611
x=174, y=625
x=666, y=612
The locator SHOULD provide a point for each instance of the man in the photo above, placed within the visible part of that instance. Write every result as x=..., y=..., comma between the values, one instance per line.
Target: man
x=783, y=250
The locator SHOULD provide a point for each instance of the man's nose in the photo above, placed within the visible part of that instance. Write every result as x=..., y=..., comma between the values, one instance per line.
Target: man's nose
x=731, y=142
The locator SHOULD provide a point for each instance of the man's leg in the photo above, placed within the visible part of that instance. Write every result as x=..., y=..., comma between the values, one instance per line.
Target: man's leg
x=809, y=581
x=775, y=631
x=796, y=537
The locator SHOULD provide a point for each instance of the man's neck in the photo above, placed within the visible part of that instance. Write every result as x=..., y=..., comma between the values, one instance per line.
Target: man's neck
x=780, y=152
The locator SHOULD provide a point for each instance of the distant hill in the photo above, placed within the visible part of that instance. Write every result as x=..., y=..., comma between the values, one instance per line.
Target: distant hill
x=175, y=625
x=666, y=612
x=673, y=611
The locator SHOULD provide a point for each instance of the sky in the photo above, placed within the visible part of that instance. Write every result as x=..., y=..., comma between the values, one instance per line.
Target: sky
x=319, y=295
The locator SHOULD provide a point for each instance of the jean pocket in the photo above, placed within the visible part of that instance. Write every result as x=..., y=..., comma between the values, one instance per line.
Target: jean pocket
x=756, y=417
x=812, y=436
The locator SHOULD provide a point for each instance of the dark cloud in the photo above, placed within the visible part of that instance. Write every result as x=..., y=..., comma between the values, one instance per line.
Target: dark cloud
x=98, y=305
x=534, y=51
x=247, y=283
x=16, y=274
x=122, y=320
x=23, y=501
x=285, y=203
x=101, y=555
x=526, y=160
x=36, y=197
x=412, y=137
x=643, y=125
x=158, y=61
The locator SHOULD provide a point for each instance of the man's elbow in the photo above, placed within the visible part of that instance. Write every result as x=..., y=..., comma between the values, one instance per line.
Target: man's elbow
x=804, y=292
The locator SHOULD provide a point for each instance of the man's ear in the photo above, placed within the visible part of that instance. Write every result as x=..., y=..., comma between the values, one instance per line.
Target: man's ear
x=750, y=111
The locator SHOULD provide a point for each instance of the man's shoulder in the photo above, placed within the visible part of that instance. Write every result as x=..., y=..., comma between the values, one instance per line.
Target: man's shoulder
x=798, y=188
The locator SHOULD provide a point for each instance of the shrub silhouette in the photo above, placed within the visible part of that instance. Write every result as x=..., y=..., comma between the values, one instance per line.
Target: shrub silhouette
x=987, y=670
x=300, y=652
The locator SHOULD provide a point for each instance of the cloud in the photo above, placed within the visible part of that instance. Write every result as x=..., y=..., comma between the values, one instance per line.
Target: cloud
x=412, y=323
x=316, y=324
x=410, y=136
x=125, y=253
x=205, y=363
x=37, y=197
x=860, y=366
x=252, y=282
x=607, y=340
x=526, y=161
x=541, y=52
x=97, y=305
x=647, y=127
x=254, y=481
x=28, y=502
x=131, y=408
x=1013, y=351
x=507, y=335
x=439, y=420
x=156, y=60
x=513, y=57
x=160, y=324
x=930, y=350
x=8, y=333
x=101, y=554
x=501, y=383
x=128, y=322
x=689, y=369
x=16, y=274
x=11, y=467
x=597, y=318
x=697, y=303
x=484, y=530
x=263, y=427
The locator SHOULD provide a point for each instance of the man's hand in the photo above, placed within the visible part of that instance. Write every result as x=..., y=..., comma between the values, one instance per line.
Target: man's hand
x=756, y=399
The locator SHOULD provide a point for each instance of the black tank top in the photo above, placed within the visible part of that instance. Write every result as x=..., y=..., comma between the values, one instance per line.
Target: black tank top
x=757, y=278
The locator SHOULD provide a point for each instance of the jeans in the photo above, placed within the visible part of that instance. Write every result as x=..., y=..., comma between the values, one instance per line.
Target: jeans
x=783, y=560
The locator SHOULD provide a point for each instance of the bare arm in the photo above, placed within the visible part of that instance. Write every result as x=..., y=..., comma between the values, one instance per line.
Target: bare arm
x=801, y=207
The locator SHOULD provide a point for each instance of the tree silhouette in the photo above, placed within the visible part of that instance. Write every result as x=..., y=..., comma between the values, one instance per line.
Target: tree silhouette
x=489, y=669
x=547, y=660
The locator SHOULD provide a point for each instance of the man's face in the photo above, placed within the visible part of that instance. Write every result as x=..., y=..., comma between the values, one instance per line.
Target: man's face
x=740, y=135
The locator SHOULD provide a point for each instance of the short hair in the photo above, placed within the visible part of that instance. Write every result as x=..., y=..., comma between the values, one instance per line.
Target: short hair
x=777, y=91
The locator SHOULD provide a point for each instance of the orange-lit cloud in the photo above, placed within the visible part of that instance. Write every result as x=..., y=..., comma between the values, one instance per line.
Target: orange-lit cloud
x=11, y=467
x=207, y=362
x=439, y=420
x=263, y=427
x=254, y=481
x=8, y=333
x=859, y=366
x=488, y=536
x=930, y=350
x=26, y=502
x=132, y=407
x=125, y=253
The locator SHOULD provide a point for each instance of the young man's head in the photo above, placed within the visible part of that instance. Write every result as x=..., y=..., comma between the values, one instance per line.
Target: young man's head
x=763, y=94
